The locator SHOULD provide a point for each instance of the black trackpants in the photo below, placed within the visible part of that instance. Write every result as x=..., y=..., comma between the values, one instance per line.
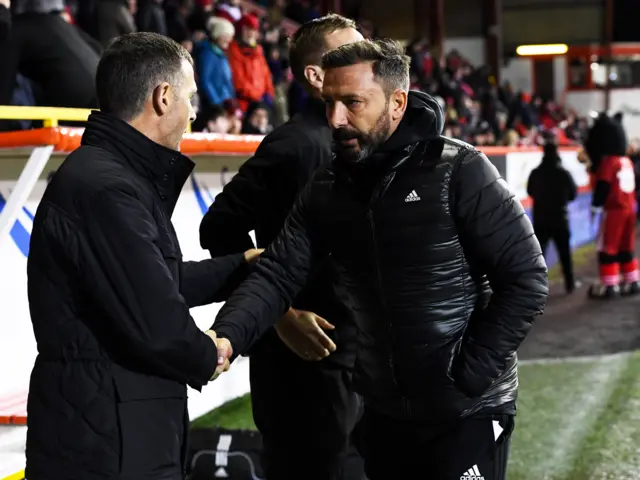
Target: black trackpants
x=306, y=412
x=466, y=449
x=561, y=235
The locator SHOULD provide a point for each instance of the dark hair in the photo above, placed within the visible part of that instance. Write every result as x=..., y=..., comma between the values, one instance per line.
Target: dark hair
x=132, y=66
x=215, y=111
x=308, y=43
x=389, y=63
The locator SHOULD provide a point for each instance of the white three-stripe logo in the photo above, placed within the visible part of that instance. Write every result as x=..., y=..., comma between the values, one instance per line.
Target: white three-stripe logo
x=412, y=197
x=472, y=474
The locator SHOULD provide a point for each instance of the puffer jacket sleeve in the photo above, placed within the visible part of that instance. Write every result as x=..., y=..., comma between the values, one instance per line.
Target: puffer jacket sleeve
x=498, y=241
x=280, y=273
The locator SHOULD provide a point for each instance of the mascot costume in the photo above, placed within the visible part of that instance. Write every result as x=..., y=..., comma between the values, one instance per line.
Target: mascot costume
x=613, y=187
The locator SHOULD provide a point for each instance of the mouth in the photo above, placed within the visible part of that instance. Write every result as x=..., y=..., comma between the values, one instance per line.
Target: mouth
x=350, y=142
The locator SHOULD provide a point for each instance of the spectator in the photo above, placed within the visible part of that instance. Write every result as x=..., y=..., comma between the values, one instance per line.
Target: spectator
x=218, y=120
x=178, y=27
x=199, y=14
x=150, y=17
x=231, y=9
x=256, y=120
x=113, y=18
x=251, y=75
x=212, y=66
x=63, y=71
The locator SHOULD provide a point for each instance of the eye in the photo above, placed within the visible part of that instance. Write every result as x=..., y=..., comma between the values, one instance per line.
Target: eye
x=353, y=103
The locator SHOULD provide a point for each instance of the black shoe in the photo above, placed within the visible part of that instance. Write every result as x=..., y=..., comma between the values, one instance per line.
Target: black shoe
x=603, y=292
x=572, y=287
x=631, y=288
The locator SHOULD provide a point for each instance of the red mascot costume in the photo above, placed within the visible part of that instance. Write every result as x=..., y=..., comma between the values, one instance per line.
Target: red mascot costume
x=613, y=181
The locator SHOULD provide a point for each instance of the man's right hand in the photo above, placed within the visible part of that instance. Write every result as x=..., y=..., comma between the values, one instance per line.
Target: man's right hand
x=252, y=255
x=224, y=353
x=6, y=3
x=303, y=333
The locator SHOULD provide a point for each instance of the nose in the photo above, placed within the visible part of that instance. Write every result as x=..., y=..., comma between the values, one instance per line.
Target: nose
x=192, y=114
x=336, y=115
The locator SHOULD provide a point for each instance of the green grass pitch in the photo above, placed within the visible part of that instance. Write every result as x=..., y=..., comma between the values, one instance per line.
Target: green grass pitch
x=578, y=419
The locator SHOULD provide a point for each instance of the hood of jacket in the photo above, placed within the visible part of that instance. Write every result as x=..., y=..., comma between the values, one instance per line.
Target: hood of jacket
x=423, y=121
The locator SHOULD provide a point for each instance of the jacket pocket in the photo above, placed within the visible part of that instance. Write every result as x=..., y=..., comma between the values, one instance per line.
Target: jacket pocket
x=152, y=436
x=132, y=386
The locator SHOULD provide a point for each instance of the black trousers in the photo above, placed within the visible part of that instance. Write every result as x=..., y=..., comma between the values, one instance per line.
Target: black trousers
x=560, y=234
x=466, y=449
x=306, y=412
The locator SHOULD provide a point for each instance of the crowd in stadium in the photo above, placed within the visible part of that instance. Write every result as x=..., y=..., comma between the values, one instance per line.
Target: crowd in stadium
x=241, y=61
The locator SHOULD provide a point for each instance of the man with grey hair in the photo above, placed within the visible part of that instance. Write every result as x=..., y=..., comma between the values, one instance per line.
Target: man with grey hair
x=108, y=291
x=435, y=258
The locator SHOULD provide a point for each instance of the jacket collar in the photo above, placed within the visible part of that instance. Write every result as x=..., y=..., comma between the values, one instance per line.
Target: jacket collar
x=167, y=170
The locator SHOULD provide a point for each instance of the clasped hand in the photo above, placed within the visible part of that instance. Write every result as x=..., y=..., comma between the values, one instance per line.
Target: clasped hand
x=225, y=350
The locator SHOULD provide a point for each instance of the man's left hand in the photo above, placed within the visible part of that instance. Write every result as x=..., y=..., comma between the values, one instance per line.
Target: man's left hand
x=303, y=333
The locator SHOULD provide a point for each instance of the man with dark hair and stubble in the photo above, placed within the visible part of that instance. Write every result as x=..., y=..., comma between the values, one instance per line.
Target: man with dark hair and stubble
x=303, y=403
x=108, y=291
x=436, y=259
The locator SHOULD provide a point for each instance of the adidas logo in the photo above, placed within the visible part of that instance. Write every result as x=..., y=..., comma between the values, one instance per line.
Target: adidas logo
x=412, y=197
x=472, y=474
x=221, y=473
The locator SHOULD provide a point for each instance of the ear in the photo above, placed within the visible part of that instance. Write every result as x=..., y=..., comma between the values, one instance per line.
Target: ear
x=161, y=98
x=398, y=104
x=314, y=75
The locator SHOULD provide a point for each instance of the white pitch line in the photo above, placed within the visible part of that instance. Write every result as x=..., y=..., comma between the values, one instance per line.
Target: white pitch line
x=566, y=439
x=577, y=359
x=620, y=439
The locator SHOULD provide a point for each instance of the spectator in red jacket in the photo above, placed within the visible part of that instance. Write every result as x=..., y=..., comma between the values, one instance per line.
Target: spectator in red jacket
x=251, y=75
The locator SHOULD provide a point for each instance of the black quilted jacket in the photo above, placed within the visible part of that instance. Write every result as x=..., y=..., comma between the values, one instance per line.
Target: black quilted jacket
x=438, y=262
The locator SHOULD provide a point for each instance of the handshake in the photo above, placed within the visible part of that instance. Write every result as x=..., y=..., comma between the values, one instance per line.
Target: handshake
x=301, y=331
x=225, y=350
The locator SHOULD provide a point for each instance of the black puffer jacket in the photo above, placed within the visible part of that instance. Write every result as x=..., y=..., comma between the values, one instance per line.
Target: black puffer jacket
x=420, y=233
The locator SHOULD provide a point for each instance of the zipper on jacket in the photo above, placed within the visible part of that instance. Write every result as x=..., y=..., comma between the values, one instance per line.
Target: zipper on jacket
x=372, y=226
x=377, y=193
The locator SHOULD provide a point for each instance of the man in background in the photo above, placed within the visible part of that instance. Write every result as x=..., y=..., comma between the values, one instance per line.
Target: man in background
x=305, y=409
x=552, y=188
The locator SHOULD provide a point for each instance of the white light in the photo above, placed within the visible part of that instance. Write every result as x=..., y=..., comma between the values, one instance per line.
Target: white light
x=553, y=49
x=594, y=66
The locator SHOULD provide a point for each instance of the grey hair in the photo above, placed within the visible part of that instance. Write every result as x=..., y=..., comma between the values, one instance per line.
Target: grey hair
x=132, y=66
